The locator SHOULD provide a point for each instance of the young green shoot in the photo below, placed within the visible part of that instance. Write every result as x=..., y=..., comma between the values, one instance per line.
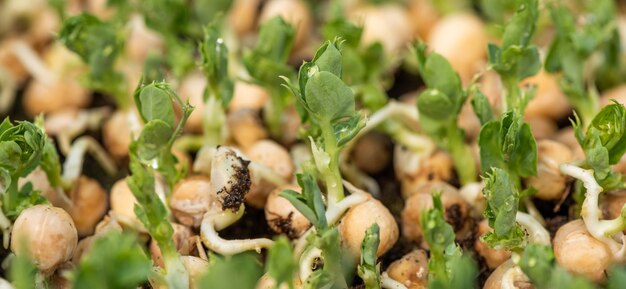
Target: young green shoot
x=448, y=267
x=21, y=149
x=151, y=211
x=266, y=62
x=324, y=243
x=363, y=68
x=604, y=144
x=439, y=106
x=115, y=261
x=98, y=43
x=368, y=268
x=219, y=90
x=517, y=58
x=575, y=45
x=237, y=271
x=281, y=264
x=539, y=265
x=327, y=106
x=512, y=230
x=155, y=103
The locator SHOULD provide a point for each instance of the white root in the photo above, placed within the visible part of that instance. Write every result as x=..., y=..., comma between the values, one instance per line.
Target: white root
x=202, y=165
x=513, y=275
x=85, y=120
x=389, y=283
x=214, y=242
x=591, y=213
x=536, y=232
x=334, y=213
x=5, y=226
x=226, y=168
x=4, y=284
x=306, y=262
x=532, y=210
x=354, y=174
x=405, y=113
x=33, y=63
x=73, y=165
x=472, y=194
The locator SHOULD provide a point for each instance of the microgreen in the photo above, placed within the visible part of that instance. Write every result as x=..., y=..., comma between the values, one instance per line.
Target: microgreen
x=573, y=47
x=280, y=263
x=448, y=267
x=237, y=271
x=326, y=238
x=219, y=90
x=439, y=106
x=362, y=67
x=368, y=268
x=538, y=263
x=23, y=272
x=508, y=144
x=604, y=144
x=501, y=209
x=115, y=261
x=266, y=62
x=327, y=106
x=151, y=211
x=517, y=58
x=155, y=103
x=98, y=43
x=21, y=149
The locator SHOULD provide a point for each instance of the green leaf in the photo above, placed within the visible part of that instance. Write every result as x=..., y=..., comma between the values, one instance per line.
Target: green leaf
x=439, y=75
x=340, y=27
x=116, y=260
x=280, y=264
x=310, y=202
x=520, y=28
x=502, y=200
x=436, y=105
x=267, y=61
x=508, y=144
x=447, y=267
x=153, y=139
x=21, y=150
x=237, y=271
x=482, y=107
x=98, y=44
x=155, y=103
x=617, y=277
x=538, y=263
x=328, y=98
x=367, y=270
x=23, y=272
x=51, y=165
x=214, y=55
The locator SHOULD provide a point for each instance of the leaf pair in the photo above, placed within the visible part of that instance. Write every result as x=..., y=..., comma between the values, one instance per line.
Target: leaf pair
x=21, y=149
x=517, y=58
x=326, y=102
x=508, y=144
x=156, y=103
x=604, y=143
x=98, y=44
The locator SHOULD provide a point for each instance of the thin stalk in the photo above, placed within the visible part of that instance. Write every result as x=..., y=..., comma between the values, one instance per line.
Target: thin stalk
x=332, y=176
x=464, y=162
